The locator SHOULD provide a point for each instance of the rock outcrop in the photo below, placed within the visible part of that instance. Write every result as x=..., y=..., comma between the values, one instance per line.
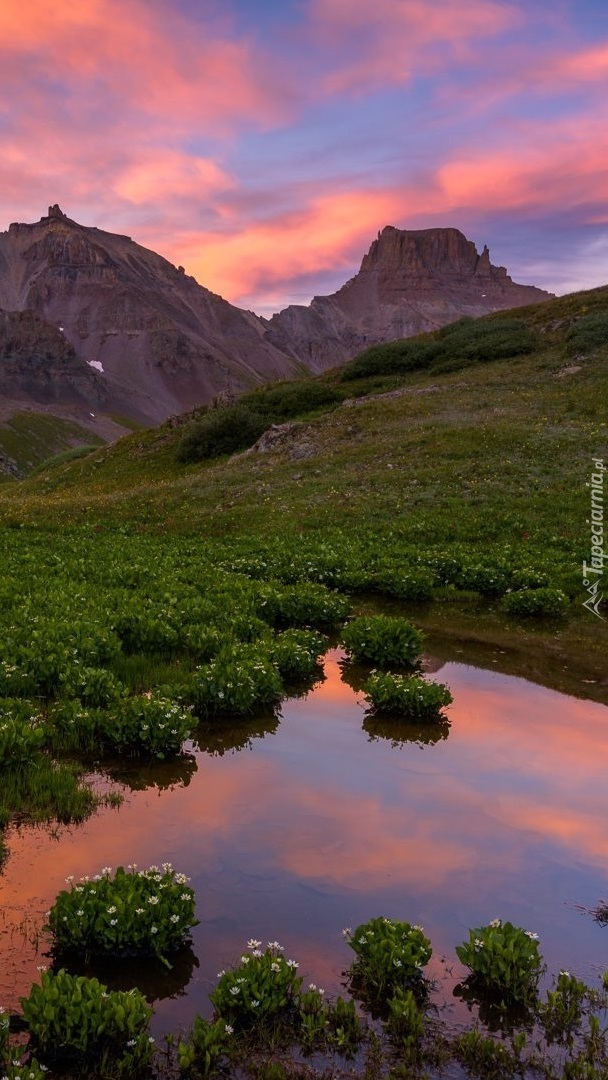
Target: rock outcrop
x=91, y=318
x=157, y=341
x=409, y=282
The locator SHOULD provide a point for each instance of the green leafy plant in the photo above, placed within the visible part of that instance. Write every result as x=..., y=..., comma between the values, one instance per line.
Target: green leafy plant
x=384, y=640
x=562, y=1012
x=405, y=1021
x=390, y=955
x=135, y=912
x=296, y=654
x=241, y=680
x=221, y=431
x=541, y=603
x=305, y=604
x=587, y=334
x=21, y=733
x=503, y=959
x=263, y=991
x=345, y=1030
x=411, y=697
x=204, y=1046
x=77, y=1018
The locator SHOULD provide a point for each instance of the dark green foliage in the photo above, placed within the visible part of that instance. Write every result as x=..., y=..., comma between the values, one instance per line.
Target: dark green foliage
x=384, y=640
x=230, y=428
x=587, y=334
x=468, y=341
x=140, y=912
x=283, y=401
x=77, y=1019
x=544, y=603
x=221, y=431
x=396, y=357
x=482, y=340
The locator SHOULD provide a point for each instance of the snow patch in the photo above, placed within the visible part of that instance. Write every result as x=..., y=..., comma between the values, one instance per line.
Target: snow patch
x=97, y=364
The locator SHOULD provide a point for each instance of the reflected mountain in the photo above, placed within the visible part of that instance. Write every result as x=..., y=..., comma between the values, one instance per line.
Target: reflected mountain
x=400, y=732
x=226, y=736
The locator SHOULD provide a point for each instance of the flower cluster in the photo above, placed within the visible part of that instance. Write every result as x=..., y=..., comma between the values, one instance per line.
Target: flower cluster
x=264, y=987
x=134, y=912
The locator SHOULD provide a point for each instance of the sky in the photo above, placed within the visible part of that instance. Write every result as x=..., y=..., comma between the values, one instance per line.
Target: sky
x=262, y=144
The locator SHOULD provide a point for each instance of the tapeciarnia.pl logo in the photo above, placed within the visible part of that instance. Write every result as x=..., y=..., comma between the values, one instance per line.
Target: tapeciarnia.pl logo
x=594, y=569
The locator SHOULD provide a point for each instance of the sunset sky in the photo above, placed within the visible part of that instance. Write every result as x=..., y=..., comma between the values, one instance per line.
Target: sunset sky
x=263, y=143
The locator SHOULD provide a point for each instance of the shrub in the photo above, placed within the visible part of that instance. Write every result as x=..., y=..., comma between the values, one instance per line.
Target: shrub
x=543, y=603
x=241, y=680
x=503, y=959
x=145, y=912
x=306, y=604
x=144, y=632
x=78, y=1018
x=146, y=726
x=289, y=399
x=390, y=956
x=412, y=697
x=403, y=584
x=21, y=734
x=221, y=431
x=262, y=991
x=204, y=1046
x=296, y=654
x=480, y=340
x=489, y=579
x=587, y=334
x=396, y=357
x=385, y=640
x=95, y=687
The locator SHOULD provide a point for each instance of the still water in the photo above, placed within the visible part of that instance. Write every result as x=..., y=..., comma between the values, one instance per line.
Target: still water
x=318, y=819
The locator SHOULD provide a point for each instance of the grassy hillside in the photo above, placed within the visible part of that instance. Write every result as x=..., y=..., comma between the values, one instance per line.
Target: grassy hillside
x=481, y=461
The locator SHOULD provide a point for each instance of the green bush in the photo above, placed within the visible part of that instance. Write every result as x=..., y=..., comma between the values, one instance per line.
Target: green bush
x=467, y=341
x=296, y=654
x=286, y=400
x=390, y=956
x=396, y=357
x=412, y=697
x=21, y=734
x=402, y=584
x=221, y=431
x=303, y=605
x=77, y=1018
x=204, y=1046
x=543, y=603
x=241, y=680
x=384, y=640
x=144, y=912
x=262, y=991
x=587, y=334
x=503, y=959
x=482, y=340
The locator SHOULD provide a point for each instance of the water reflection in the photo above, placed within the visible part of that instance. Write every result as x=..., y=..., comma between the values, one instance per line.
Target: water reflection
x=154, y=979
x=223, y=737
x=398, y=732
x=162, y=775
x=327, y=821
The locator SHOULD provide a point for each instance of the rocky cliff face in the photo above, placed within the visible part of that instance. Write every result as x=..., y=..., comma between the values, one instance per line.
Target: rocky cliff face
x=409, y=281
x=157, y=342
x=91, y=318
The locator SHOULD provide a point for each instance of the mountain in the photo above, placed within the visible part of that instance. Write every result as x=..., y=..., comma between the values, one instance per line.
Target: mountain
x=410, y=281
x=94, y=327
x=156, y=341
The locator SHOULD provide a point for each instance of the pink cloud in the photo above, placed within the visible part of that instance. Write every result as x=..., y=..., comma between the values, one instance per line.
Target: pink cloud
x=391, y=39
x=169, y=68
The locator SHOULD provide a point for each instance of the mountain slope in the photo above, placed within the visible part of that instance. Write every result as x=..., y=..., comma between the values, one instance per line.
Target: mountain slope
x=410, y=281
x=159, y=341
